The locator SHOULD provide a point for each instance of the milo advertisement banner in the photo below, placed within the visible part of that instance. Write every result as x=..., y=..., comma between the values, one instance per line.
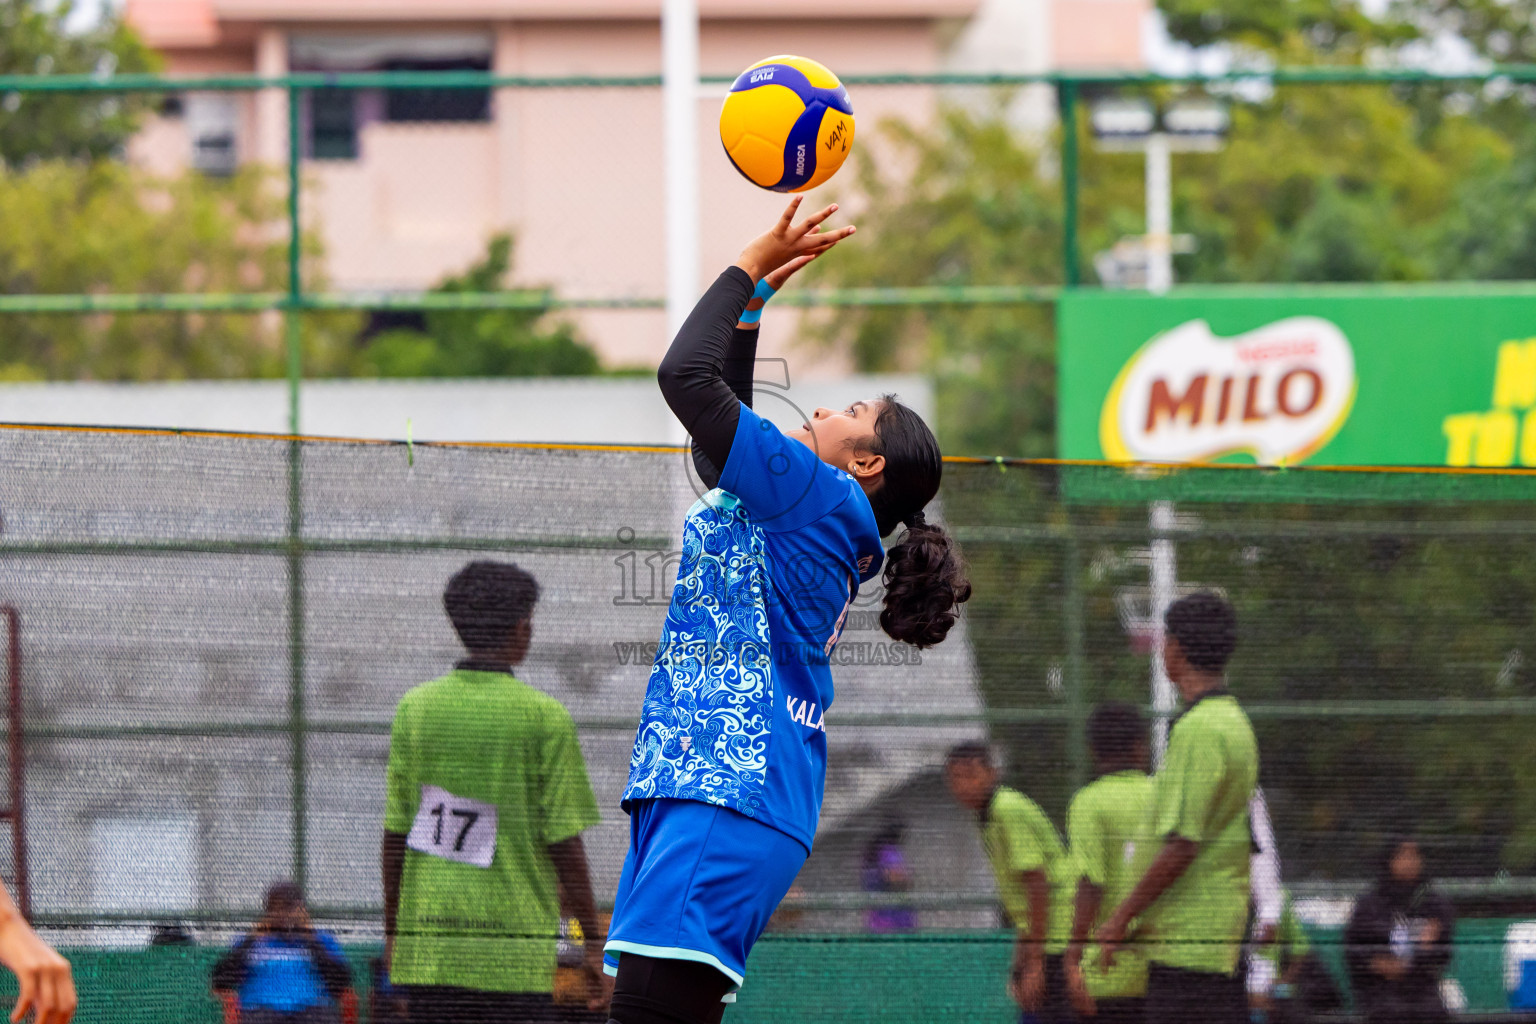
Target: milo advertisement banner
x=1393, y=376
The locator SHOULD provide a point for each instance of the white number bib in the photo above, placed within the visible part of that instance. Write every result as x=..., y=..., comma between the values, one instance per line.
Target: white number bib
x=454, y=828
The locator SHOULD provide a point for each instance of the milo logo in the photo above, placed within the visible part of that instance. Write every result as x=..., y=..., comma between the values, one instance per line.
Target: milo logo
x=1278, y=393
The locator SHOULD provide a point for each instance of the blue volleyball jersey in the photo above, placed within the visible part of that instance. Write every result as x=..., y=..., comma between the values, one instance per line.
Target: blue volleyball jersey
x=734, y=712
x=281, y=975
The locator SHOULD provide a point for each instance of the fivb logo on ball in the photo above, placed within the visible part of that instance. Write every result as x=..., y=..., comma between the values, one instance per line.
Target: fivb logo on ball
x=787, y=123
x=1277, y=393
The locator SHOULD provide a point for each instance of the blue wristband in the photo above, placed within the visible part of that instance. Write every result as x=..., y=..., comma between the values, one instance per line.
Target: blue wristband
x=765, y=291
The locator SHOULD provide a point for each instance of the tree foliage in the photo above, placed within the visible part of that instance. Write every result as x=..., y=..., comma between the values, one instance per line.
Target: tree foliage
x=37, y=126
x=1323, y=25
x=965, y=205
x=1501, y=30
x=480, y=343
x=1314, y=184
x=106, y=228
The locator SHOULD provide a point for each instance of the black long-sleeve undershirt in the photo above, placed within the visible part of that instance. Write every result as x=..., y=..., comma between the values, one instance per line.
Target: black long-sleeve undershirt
x=706, y=375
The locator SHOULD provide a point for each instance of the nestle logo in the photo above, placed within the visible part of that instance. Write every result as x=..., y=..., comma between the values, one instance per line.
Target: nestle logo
x=1278, y=392
x=800, y=160
x=765, y=75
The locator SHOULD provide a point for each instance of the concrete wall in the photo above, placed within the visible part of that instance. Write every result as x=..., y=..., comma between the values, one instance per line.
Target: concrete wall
x=586, y=410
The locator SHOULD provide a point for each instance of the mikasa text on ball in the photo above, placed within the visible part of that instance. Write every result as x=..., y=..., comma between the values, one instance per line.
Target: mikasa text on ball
x=787, y=124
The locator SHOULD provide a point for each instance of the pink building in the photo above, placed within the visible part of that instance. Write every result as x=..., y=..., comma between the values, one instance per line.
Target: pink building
x=408, y=186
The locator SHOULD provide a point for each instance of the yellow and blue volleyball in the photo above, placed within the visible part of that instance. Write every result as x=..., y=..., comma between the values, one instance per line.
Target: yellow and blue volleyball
x=787, y=124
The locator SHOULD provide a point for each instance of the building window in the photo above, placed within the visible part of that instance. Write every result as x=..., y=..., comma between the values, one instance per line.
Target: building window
x=437, y=105
x=213, y=126
x=337, y=121
x=333, y=124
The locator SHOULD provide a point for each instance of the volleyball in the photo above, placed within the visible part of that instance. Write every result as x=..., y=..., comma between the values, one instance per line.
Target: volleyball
x=787, y=124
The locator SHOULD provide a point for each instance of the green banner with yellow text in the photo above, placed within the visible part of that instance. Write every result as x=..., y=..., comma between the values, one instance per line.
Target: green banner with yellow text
x=1295, y=376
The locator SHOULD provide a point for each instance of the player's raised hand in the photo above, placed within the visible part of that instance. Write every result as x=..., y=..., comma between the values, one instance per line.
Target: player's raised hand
x=47, y=988
x=787, y=242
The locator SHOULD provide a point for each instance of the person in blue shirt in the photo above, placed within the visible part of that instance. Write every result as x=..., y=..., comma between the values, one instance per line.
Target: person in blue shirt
x=729, y=762
x=284, y=971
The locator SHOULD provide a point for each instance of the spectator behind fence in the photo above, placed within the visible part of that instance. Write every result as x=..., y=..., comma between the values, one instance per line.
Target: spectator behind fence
x=883, y=869
x=485, y=802
x=1398, y=942
x=46, y=985
x=284, y=971
x=1108, y=828
x=1193, y=899
x=1034, y=879
x=1275, y=965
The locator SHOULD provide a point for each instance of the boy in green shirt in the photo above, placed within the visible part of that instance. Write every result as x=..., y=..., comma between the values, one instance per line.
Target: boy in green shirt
x=1192, y=902
x=1034, y=878
x=486, y=799
x=1107, y=827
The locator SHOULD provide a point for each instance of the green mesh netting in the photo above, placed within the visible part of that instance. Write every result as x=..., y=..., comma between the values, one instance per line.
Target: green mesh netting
x=215, y=630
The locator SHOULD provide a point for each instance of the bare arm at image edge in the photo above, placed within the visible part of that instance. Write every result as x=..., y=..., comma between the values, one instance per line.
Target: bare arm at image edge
x=47, y=987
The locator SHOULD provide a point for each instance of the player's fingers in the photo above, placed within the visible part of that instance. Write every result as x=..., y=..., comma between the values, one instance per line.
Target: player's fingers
x=787, y=221
x=26, y=997
x=822, y=247
x=777, y=279
x=825, y=239
x=47, y=1000
x=809, y=224
x=68, y=1000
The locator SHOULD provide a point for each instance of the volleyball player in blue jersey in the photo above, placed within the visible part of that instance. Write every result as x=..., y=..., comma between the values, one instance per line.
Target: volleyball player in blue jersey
x=729, y=763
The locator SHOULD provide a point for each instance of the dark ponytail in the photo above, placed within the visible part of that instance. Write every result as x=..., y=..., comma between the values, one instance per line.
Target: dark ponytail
x=924, y=576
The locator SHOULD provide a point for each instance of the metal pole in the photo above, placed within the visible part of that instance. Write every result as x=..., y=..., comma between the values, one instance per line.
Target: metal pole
x=1164, y=570
x=1159, y=240
x=1165, y=581
x=291, y=321
x=1077, y=706
x=18, y=763
x=1066, y=100
x=680, y=103
x=297, y=731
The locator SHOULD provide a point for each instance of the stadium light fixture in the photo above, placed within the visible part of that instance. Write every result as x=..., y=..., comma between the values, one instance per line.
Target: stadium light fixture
x=1122, y=120
x=1197, y=118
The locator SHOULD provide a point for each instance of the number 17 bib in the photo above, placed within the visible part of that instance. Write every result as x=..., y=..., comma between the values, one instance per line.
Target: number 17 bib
x=454, y=828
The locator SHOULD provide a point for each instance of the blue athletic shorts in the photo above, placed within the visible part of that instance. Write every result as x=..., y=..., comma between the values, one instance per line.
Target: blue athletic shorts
x=699, y=883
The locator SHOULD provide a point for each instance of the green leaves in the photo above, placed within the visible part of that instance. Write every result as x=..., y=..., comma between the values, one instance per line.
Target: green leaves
x=963, y=203
x=35, y=126
x=104, y=228
x=480, y=343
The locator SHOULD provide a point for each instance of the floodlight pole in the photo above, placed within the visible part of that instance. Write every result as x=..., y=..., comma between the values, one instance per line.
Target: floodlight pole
x=1160, y=514
x=680, y=104
x=1159, y=188
x=1164, y=588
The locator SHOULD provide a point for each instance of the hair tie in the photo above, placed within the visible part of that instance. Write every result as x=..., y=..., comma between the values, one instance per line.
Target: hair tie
x=916, y=519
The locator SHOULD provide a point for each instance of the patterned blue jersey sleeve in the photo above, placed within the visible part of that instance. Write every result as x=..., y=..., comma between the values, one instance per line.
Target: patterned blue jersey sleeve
x=780, y=481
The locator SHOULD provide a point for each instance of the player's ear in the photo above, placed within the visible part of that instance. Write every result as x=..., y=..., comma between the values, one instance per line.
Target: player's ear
x=866, y=465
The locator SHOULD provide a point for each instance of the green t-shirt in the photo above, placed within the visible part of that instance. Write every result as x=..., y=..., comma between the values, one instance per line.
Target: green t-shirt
x=1107, y=827
x=1203, y=788
x=1019, y=838
x=478, y=744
